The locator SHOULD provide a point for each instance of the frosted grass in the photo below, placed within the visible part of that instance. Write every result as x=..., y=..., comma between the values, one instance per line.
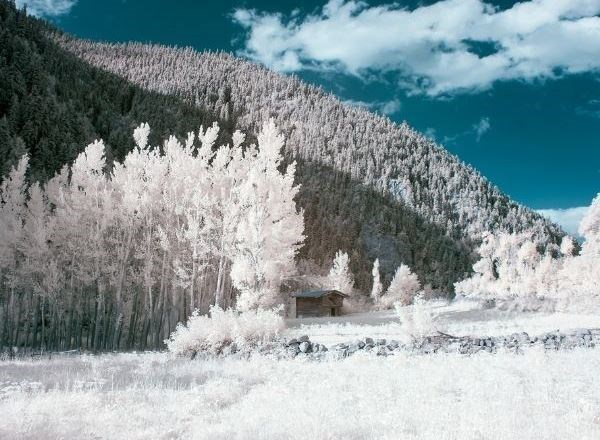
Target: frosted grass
x=460, y=318
x=554, y=395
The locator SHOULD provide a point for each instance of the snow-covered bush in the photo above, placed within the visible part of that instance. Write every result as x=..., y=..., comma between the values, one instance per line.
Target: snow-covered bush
x=404, y=287
x=416, y=319
x=221, y=328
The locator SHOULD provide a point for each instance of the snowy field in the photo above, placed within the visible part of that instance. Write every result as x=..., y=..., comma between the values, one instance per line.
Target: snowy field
x=554, y=395
x=537, y=394
x=461, y=318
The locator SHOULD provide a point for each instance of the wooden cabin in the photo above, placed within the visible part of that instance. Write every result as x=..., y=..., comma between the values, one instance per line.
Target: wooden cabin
x=316, y=303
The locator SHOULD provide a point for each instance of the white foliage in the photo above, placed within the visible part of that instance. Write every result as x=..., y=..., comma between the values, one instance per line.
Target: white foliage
x=340, y=278
x=377, y=288
x=176, y=229
x=404, y=287
x=511, y=268
x=211, y=333
x=270, y=228
x=140, y=135
x=590, y=229
x=416, y=319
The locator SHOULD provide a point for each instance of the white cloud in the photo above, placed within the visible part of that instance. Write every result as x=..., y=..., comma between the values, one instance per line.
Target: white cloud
x=482, y=127
x=385, y=107
x=569, y=218
x=448, y=47
x=47, y=8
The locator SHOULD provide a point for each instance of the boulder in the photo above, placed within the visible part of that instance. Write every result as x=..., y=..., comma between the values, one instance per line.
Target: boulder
x=305, y=347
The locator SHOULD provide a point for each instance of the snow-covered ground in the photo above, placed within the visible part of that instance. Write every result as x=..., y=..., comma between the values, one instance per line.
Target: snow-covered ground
x=537, y=394
x=461, y=318
x=541, y=395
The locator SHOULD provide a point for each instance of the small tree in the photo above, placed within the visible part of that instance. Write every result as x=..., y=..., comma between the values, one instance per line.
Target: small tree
x=377, y=286
x=404, y=287
x=340, y=278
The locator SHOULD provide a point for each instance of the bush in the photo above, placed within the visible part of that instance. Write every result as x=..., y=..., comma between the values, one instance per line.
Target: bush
x=211, y=334
x=416, y=320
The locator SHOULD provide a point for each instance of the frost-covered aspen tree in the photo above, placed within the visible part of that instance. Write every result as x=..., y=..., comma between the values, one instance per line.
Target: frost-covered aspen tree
x=270, y=227
x=12, y=211
x=403, y=289
x=340, y=277
x=229, y=171
x=590, y=229
x=377, y=288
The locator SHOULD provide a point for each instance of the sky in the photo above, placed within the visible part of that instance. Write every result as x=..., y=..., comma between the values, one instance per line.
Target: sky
x=511, y=88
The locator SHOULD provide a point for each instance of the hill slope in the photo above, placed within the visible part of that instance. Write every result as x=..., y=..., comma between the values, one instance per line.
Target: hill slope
x=369, y=186
x=374, y=187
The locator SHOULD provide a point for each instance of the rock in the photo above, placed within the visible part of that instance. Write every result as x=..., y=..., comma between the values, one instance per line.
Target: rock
x=292, y=342
x=394, y=343
x=304, y=338
x=368, y=341
x=381, y=351
x=369, y=347
x=305, y=347
x=380, y=342
x=360, y=344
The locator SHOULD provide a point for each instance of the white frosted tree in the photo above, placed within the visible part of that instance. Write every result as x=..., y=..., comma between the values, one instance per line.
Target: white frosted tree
x=340, y=277
x=590, y=229
x=270, y=228
x=567, y=246
x=116, y=258
x=403, y=289
x=377, y=288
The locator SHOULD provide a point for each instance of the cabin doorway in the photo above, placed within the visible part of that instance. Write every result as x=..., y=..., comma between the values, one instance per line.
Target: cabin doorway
x=332, y=311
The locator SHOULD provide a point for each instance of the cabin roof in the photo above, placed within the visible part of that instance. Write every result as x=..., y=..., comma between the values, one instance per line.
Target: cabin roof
x=318, y=293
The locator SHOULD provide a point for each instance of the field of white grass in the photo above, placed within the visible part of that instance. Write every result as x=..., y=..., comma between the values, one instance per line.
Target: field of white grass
x=533, y=395
x=460, y=318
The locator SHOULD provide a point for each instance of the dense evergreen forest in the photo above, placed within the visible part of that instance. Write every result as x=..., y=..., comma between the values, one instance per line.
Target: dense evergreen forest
x=52, y=104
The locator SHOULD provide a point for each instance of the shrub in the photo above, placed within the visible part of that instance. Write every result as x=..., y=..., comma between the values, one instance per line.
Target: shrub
x=416, y=319
x=211, y=334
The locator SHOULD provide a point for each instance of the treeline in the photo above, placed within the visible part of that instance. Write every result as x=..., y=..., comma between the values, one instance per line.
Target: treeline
x=115, y=260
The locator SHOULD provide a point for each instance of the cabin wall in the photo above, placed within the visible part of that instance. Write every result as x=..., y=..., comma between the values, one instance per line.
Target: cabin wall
x=310, y=307
x=306, y=307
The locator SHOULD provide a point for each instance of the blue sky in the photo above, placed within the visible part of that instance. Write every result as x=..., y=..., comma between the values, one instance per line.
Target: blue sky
x=513, y=89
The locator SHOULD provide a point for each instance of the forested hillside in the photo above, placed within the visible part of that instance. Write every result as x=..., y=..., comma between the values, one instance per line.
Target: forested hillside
x=368, y=186
x=52, y=104
x=416, y=188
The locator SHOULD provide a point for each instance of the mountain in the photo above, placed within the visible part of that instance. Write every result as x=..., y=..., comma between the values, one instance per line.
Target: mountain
x=371, y=187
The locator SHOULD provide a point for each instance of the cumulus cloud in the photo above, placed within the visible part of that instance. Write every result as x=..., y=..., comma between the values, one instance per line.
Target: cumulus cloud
x=385, y=107
x=447, y=47
x=569, y=219
x=47, y=8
